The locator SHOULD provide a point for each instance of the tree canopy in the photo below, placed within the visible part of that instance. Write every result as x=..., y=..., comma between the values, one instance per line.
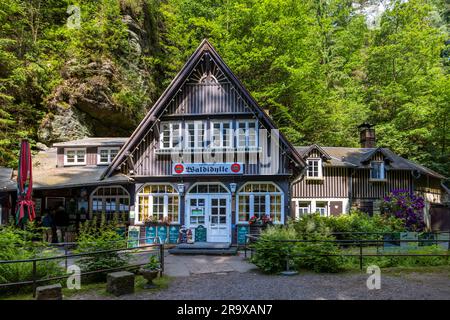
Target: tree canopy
x=315, y=64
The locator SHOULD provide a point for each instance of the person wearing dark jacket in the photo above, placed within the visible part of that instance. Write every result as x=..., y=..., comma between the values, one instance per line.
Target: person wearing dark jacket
x=61, y=222
x=48, y=224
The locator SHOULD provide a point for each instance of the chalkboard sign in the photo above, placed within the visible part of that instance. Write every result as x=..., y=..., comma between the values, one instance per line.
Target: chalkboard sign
x=200, y=234
x=150, y=234
x=162, y=233
x=242, y=231
x=408, y=236
x=173, y=234
x=133, y=236
x=121, y=231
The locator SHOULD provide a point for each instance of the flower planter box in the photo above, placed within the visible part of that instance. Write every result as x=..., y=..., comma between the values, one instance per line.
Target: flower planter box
x=255, y=229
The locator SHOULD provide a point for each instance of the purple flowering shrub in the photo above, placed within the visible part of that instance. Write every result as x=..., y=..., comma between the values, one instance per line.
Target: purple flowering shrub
x=405, y=205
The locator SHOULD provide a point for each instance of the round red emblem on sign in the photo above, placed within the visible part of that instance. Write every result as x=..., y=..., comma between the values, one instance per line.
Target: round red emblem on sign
x=235, y=167
x=179, y=168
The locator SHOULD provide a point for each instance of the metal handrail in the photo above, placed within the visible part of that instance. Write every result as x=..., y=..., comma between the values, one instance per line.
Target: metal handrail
x=34, y=261
x=358, y=242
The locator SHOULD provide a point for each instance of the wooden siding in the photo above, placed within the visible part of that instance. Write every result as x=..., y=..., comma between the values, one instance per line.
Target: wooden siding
x=207, y=99
x=91, y=156
x=363, y=188
x=148, y=163
x=314, y=153
x=333, y=185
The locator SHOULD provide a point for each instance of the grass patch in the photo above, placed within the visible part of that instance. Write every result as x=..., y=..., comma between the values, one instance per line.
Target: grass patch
x=99, y=289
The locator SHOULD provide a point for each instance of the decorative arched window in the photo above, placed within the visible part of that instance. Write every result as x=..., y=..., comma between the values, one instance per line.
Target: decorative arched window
x=208, y=188
x=158, y=203
x=260, y=199
x=110, y=200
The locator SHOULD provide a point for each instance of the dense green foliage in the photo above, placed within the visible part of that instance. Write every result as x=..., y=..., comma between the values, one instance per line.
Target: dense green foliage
x=272, y=253
x=314, y=64
x=17, y=244
x=101, y=236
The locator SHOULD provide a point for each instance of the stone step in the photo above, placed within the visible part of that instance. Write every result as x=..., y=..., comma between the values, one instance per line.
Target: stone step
x=204, y=245
x=209, y=251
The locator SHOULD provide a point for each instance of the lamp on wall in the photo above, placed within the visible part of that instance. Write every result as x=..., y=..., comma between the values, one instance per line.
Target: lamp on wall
x=181, y=189
x=233, y=187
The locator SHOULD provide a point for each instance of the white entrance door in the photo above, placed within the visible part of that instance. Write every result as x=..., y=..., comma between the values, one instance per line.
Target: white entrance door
x=219, y=219
x=212, y=212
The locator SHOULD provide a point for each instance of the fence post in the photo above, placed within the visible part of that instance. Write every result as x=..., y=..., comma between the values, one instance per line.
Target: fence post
x=360, y=255
x=161, y=258
x=34, y=278
x=65, y=254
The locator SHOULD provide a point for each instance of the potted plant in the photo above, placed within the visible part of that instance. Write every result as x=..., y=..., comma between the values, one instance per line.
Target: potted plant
x=150, y=271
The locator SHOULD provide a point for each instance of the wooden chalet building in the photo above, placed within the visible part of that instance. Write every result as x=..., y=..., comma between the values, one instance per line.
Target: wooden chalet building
x=339, y=179
x=206, y=156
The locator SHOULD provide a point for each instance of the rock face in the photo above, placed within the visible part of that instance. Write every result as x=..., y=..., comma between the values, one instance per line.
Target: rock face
x=120, y=283
x=107, y=95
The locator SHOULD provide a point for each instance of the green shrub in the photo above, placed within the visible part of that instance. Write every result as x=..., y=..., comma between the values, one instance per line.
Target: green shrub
x=270, y=255
x=98, y=237
x=18, y=244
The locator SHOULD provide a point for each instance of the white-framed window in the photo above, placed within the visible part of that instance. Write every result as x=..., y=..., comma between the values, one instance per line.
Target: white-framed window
x=194, y=134
x=111, y=200
x=158, y=203
x=74, y=156
x=377, y=170
x=170, y=135
x=322, y=208
x=314, y=170
x=260, y=199
x=304, y=208
x=106, y=155
x=247, y=133
x=221, y=134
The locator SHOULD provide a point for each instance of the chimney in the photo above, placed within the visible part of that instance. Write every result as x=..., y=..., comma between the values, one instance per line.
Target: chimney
x=367, y=135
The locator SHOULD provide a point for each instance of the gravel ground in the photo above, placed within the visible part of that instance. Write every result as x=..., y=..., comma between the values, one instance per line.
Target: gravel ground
x=309, y=286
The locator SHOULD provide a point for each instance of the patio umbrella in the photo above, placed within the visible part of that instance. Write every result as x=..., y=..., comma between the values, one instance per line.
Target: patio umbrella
x=25, y=204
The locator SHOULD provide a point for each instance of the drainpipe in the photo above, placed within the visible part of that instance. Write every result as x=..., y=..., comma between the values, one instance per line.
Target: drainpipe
x=350, y=189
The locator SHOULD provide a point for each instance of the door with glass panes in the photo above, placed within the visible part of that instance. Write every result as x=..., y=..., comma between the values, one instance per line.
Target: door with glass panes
x=212, y=212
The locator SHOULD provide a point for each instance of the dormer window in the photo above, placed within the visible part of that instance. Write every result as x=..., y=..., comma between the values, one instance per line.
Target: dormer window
x=106, y=155
x=377, y=170
x=314, y=170
x=74, y=156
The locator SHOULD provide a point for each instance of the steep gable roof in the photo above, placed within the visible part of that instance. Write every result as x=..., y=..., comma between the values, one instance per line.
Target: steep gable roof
x=322, y=152
x=385, y=152
x=186, y=72
x=356, y=157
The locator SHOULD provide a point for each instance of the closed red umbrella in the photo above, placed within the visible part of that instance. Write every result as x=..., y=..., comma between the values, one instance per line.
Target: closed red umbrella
x=25, y=205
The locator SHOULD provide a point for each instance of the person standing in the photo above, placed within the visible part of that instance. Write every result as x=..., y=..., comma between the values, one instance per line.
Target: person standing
x=47, y=224
x=61, y=222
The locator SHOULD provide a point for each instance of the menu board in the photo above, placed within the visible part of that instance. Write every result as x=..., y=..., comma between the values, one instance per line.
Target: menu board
x=121, y=231
x=200, y=234
x=133, y=236
x=150, y=234
x=242, y=231
x=162, y=233
x=173, y=234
